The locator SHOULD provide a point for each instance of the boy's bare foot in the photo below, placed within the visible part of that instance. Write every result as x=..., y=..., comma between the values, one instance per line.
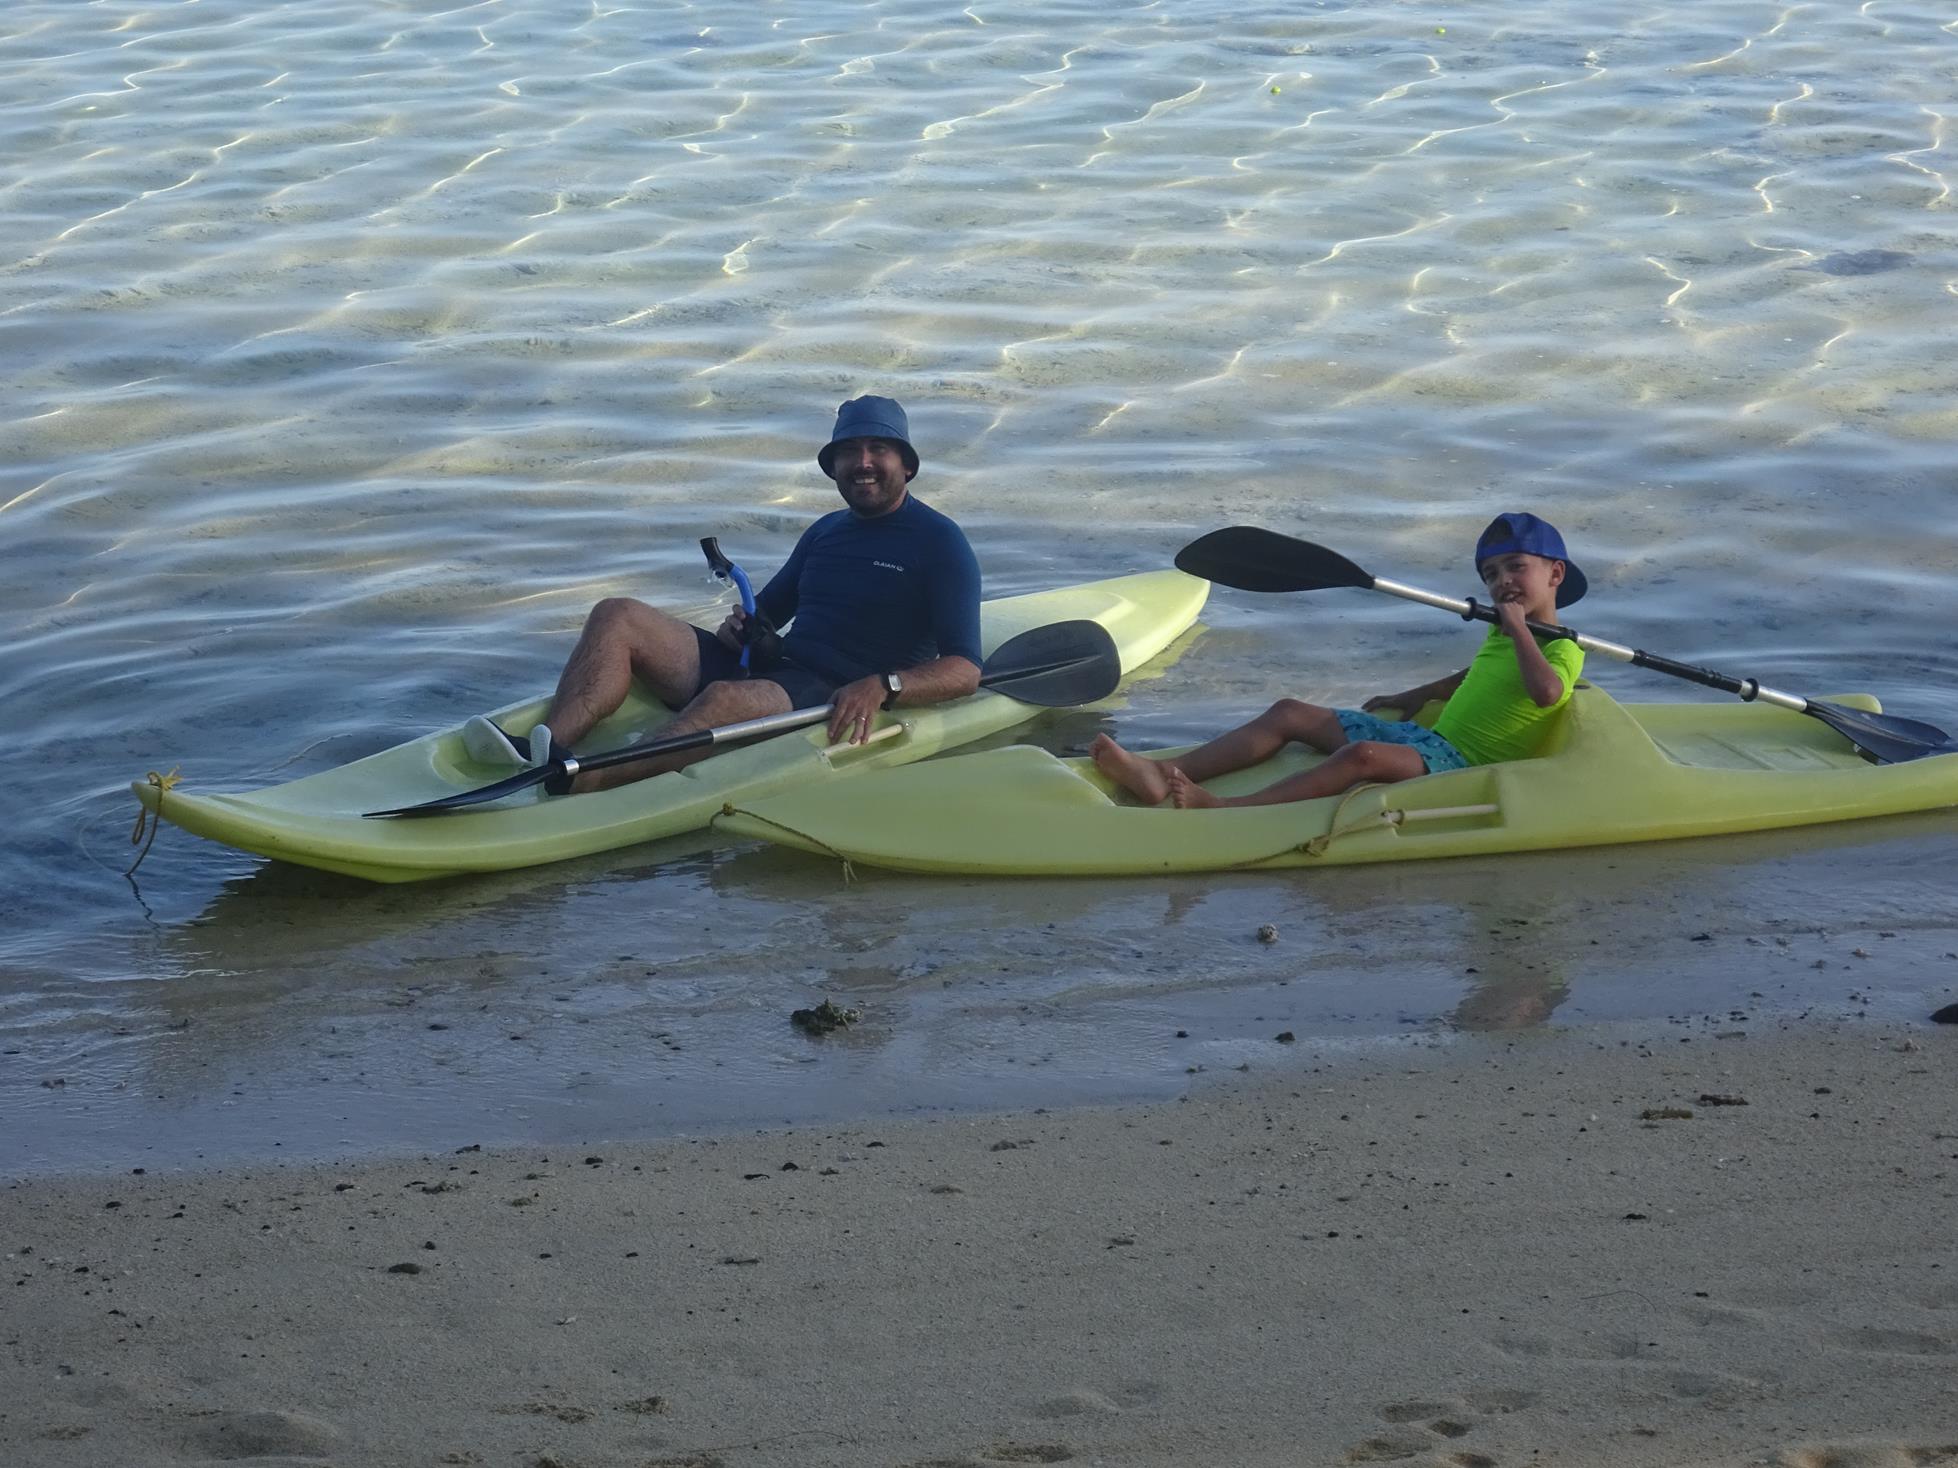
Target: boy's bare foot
x=1186, y=794
x=1145, y=779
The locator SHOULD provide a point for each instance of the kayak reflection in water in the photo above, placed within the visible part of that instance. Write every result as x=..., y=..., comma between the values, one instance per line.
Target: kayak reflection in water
x=885, y=597
x=1497, y=708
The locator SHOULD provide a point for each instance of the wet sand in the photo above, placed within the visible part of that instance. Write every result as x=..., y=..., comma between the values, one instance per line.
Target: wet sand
x=1653, y=1244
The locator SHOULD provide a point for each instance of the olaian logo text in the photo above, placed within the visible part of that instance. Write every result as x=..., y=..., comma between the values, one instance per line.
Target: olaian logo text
x=888, y=566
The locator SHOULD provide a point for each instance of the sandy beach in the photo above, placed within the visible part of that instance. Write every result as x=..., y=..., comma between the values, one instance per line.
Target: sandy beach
x=1675, y=1243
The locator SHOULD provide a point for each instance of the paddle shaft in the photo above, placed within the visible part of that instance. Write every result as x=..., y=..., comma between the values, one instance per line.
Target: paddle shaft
x=698, y=739
x=1748, y=689
x=1054, y=665
x=768, y=724
x=1254, y=559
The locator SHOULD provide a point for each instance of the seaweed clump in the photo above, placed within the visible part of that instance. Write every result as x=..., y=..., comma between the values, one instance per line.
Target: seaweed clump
x=824, y=1018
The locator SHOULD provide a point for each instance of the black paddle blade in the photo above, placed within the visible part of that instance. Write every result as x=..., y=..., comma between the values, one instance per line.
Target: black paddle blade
x=1883, y=739
x=522, y=780
x=1254, y=559
x=1060, y=664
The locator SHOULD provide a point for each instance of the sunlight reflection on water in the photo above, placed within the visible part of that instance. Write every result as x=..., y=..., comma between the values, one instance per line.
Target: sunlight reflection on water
x=351, y=352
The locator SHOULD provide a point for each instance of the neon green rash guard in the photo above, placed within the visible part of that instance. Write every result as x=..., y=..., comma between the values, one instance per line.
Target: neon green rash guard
x=1492, y=717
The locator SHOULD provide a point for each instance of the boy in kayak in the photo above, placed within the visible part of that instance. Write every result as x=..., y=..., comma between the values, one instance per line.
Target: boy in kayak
x=885, y=600
x=1497, y=708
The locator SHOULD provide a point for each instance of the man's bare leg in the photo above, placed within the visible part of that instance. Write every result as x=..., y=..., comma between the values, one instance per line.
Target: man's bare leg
x=1285, y=722
x=623, y=639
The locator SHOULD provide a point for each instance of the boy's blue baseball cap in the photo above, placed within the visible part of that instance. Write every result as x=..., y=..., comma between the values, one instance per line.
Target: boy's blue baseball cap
x=1521, y=531
x=869, y=417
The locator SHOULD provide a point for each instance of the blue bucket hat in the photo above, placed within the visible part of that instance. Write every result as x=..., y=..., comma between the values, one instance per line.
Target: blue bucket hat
x=1519, y=531
x=870, y=418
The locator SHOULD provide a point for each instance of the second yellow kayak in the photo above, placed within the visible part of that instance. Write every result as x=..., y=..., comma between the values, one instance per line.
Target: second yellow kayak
x=1609, y=772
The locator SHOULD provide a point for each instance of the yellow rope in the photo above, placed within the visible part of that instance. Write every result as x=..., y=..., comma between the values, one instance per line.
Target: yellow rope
x=1318, y=845
x=849, y=872
x=164, y=785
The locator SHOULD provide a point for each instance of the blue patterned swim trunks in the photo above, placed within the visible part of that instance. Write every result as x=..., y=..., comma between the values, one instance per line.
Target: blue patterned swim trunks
x=1436, y=753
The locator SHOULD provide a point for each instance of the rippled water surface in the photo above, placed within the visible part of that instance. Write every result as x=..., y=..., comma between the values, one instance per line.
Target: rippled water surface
x=350, y=350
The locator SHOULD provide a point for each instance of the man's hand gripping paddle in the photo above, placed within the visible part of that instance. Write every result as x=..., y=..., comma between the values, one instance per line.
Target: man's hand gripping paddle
x=1253, y=559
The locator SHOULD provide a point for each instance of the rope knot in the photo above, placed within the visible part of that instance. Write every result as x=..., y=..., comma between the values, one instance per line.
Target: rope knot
x=164, y=785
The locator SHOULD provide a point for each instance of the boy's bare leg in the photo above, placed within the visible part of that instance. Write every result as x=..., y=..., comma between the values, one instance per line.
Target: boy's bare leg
x=1284, y=722
x=622, y=639
x=1367, y=762
x=1288, y=721
x=718, y=704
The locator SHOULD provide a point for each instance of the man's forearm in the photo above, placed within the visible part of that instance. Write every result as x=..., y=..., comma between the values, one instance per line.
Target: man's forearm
x=938, y=680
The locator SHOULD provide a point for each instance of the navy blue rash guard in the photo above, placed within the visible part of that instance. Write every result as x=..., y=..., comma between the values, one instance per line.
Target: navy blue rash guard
x=875, y=596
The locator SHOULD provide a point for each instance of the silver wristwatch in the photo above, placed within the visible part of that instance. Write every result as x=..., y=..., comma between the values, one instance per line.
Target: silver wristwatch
x=893, y=686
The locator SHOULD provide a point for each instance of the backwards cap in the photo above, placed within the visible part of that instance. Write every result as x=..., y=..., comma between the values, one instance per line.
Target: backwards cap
x=1520, y=531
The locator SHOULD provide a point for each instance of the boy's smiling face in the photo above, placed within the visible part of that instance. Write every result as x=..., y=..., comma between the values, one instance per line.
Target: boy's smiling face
x=1517, y=576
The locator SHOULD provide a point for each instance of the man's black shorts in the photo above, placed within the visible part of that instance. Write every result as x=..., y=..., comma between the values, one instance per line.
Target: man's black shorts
x=806, y=690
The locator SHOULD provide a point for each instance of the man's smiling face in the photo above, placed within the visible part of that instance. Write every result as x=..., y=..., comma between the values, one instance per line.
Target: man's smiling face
x=870, y=474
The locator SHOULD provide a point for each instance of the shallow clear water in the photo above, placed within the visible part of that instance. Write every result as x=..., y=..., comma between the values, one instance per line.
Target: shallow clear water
x=348, y=352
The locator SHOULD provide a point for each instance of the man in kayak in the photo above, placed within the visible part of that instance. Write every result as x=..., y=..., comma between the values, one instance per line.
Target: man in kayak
x=885, y=597
x=1497, y=708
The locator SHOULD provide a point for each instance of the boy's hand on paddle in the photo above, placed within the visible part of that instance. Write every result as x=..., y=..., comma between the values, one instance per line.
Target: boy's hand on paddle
x=1512, y=618
x=1396, y=702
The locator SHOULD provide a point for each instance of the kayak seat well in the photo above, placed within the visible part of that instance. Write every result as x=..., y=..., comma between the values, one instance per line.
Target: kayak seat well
x=1756, y=736
x=1709, y=753
x=639, y=718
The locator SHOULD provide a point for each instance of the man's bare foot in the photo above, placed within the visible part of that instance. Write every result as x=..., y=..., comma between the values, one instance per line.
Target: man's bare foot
x=1186, y=794
x=1144, y=778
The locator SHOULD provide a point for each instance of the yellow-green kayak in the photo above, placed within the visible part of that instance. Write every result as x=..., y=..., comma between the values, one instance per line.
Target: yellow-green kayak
x=317, y=821
x=1608, y=772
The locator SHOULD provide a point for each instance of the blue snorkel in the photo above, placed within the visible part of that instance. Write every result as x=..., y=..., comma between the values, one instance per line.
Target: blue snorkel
x=725, y=570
